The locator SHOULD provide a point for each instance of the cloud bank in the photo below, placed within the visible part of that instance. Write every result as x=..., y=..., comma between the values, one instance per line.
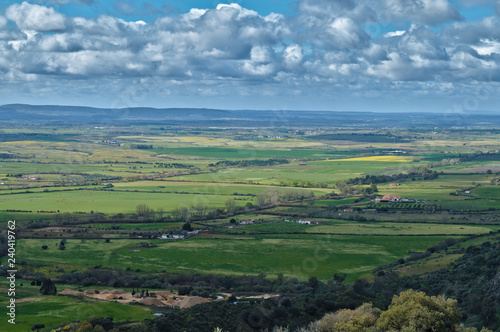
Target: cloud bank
x=328, y=50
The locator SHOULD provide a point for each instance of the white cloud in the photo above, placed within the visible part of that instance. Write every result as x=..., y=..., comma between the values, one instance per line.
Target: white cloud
x=488, y=47
x=235, y=9
x=194, y=13
x=346, y=33
x=421, y=11
x=292, y=56
x=394, y=33
x=213, y=51
x=3, y=22
x=35, y=17
x=260, y=63
x=260, y=54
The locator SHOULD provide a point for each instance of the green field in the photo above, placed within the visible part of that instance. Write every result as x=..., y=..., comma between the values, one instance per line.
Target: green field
x=72, y=184
x=487, y=192
x=313, y=255
x=56, y=310
x=244, y=153
x=206, y=187
x=108, y=201
x=372, y=228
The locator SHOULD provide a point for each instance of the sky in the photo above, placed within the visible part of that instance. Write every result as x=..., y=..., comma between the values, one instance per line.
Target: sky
x=335, y=55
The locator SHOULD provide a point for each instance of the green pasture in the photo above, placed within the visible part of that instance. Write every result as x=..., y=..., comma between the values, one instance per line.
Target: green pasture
x=248, y=153
x=156, y=226
x=471, y=204
x=109, y=201
x=435, y=262
x=21, y=216
x=371, y=228
x=63, y=169
x=381, y=228
x=262, y=217
x=334, y=202
x=300, y=256
x=56, y=310
x=275, y=227
x=327, y=171
x=488, y=192
x=442, y=197
x=440, y=190
x=441, y=259
x=206, y=187
x=443, y=181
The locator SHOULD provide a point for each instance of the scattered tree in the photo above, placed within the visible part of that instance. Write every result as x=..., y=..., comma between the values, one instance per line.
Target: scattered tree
x=48, y=287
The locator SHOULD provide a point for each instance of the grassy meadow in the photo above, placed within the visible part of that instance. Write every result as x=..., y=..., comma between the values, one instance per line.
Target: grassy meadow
x=307, y=255
x=84, y=185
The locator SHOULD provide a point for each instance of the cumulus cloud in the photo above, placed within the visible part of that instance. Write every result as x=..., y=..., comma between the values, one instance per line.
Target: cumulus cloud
x=34, y=17
x=421, y=11
x=292, y=56
x=382, y=11
x=323, y=48
x=3, y=22
x=346, y=33
x=394, y=33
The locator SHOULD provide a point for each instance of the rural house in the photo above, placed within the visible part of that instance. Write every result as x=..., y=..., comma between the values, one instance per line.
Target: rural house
x=390, y=198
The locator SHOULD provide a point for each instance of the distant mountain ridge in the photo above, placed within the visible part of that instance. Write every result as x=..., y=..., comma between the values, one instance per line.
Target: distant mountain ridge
x=250, y=118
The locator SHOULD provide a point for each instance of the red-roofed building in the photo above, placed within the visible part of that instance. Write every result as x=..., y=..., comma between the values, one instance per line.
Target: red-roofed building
x=391, y=198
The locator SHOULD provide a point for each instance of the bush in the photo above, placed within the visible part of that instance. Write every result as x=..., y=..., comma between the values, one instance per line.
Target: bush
x=412, y=309
x=361, y=319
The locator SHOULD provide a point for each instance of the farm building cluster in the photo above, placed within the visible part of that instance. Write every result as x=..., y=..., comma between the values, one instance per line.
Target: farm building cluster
x=394, y=199
x=303, y=221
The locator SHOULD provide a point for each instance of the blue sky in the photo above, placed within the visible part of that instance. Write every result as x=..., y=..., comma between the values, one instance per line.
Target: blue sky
x=339, y=55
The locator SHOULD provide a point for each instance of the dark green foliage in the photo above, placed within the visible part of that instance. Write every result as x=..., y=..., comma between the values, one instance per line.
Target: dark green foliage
x=474, y=280
x=185, y=290
x=37, y=327
x=106, y=323
x=423, y=172
x=249, y=163
x=142, y=146
x=48, y=287
x=4, y=248
x=372, y=138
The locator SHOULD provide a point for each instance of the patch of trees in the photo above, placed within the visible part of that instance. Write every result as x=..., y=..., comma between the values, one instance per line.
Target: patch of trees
x=479, y=156
x=4, y=245
x=8, y=156
x=273, y=196
x=446, y=162
x=369, y=138
x=48, y=287
x=250, y=163
x=142, y=146
x=306, y=184
x=413, y=172
x=173, y=165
